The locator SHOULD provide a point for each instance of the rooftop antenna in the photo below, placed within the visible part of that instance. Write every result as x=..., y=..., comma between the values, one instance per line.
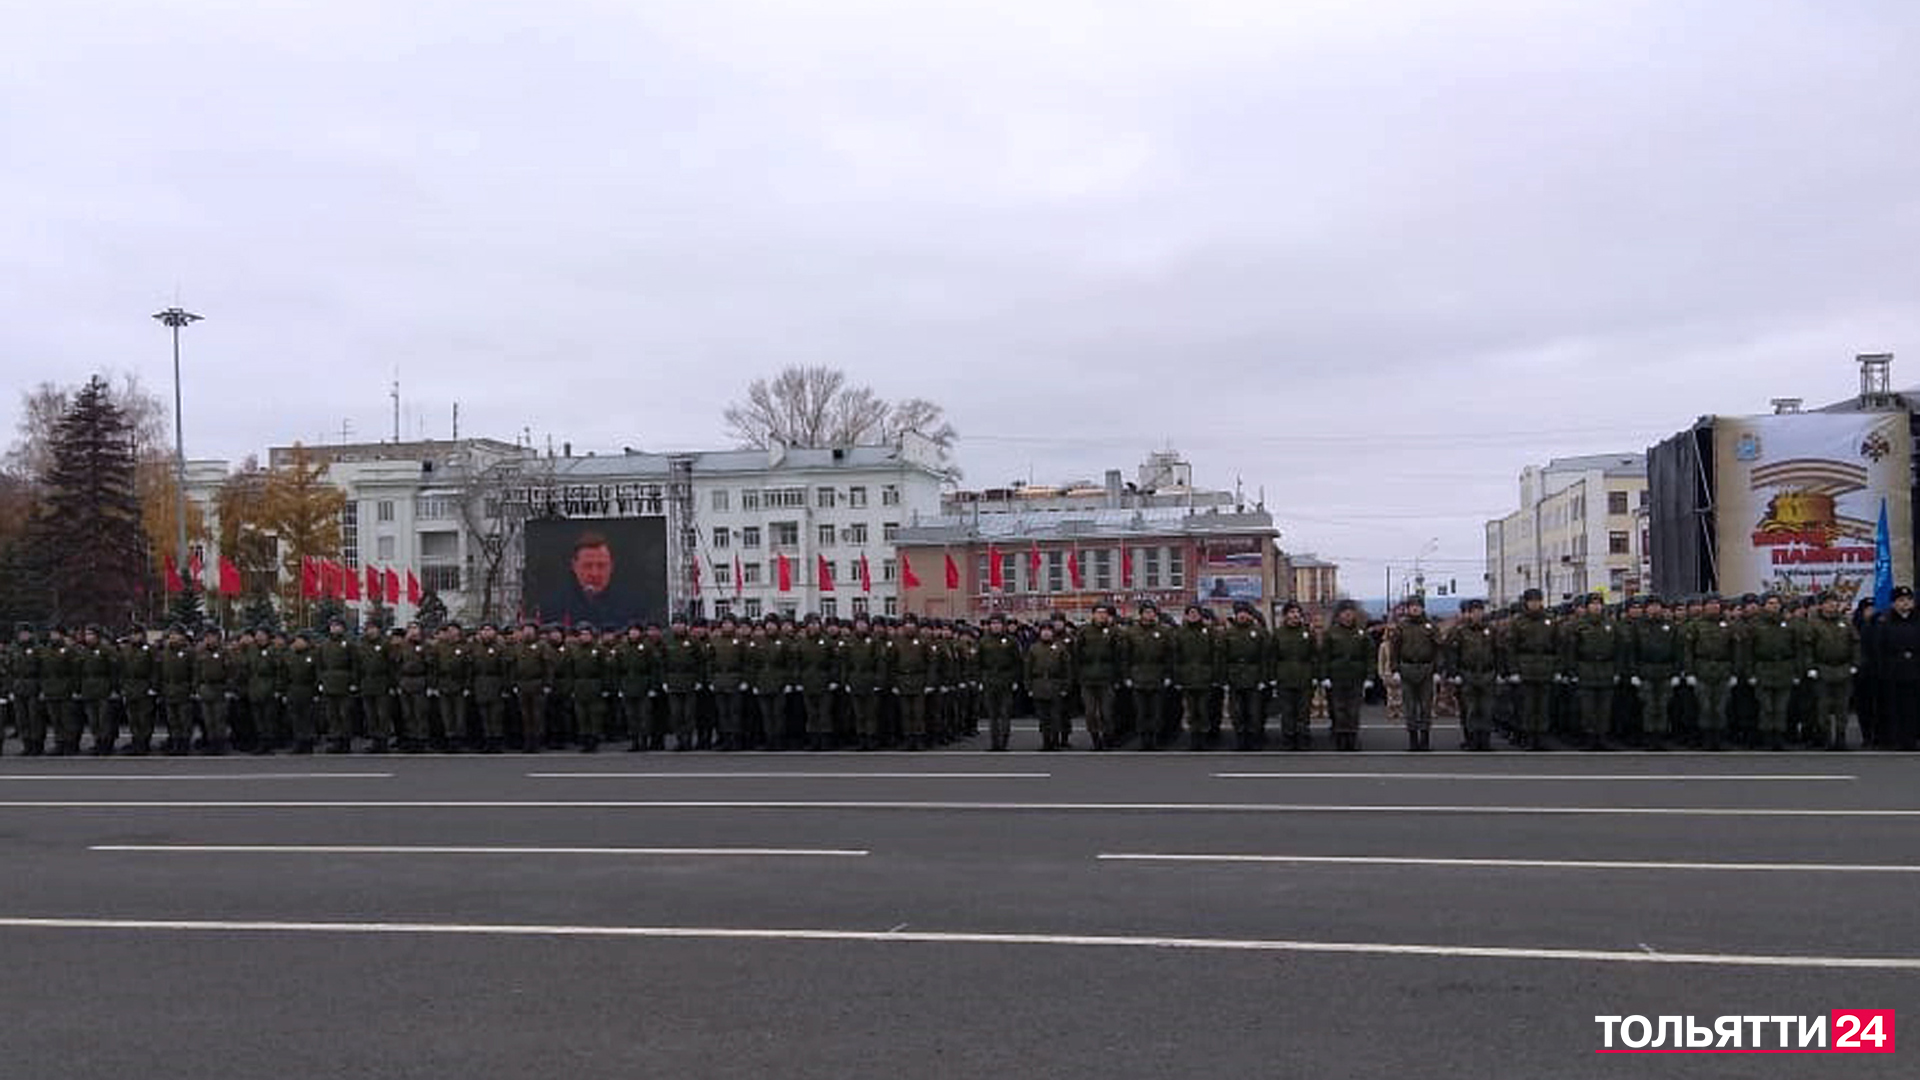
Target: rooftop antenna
x=395, y=394
x=456, y=421
x=346, y=430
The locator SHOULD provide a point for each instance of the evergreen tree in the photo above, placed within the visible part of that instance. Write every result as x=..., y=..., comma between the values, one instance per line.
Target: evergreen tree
x=326, y=610
x=188, y=610
x=377, y=613
x=432, y=614
x=88, y=535
x=260, y=614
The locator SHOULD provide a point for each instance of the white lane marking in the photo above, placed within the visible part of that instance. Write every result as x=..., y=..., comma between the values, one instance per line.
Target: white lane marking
x=789, y=775
x=1252, y=945
x=1555, y=864
x=371, y=849
x=1042, y=807
x=201, y=776
x=1610, y=777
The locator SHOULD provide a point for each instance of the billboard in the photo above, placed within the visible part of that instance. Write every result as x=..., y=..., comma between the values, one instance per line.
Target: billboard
x=1230, y=588
x=604, y=571
x=1243, y=552
x=1798, y=498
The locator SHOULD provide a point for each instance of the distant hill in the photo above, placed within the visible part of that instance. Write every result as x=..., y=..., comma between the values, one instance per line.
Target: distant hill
x=1443, y=607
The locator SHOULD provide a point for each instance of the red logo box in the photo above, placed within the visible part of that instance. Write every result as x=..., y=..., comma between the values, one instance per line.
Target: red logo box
x=1862, y=1031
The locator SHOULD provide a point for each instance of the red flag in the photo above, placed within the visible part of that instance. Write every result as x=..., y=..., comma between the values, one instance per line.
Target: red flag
x=696, y=575
x=1126, y=567
x=309, y=578
x=196, y=568
x=229, y=577
x=739, y=577
x=352, y=582
x=866, y=575
x=907, y=577
x=393, y=587
x=996, y=579
x=1073, y=566
x=329, y=577
x=786, y=574
x=174, y=584
x=1033, y=562
x=953, y=572
x=824, y=573
x=414, y=594
x=375, y=587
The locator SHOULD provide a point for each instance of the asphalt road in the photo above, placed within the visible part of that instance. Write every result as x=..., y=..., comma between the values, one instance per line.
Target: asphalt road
x=947, y=914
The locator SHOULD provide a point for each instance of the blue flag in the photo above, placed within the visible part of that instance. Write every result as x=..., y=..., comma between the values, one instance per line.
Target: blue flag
x=1882, y=562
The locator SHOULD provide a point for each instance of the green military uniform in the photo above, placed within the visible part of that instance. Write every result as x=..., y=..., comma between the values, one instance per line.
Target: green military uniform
x=1655, y=651
x=1296, y=660
x=1776, y=658
x=214, y=670
x=1711, y=654
x=299, y=687
x=764, y=663
x=532, y=684
x=584, y=667
x=1833, y=649
x=1148, y=660
x=683, y=666
x=176, y=689
x=1001, y=671
x=139, y=671
x=1348, y=659
x=373, y=671
x=819, y=667
x=912, y=668
x=59, y=694
x=1593, y=651
x=413, y=679
x=452, y=688
x=260, y=666
x=492, y=670
x=336, y=690
x=1246, y=658
x=29, y=714
x=727, y=657
x=97, y=670
x=1195, y=672
x=1416, y=659
x=1096, y=665
x=1470, y=660
x=1049, y=676
x=1531, y=653
x=865, y=672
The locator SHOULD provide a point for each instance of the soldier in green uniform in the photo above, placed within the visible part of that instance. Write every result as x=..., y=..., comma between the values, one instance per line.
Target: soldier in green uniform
x=1531, y=654
x=967, y=652
x=763, y=662
x=299, y=682
x=819, y=679
x=1246, y=658
x=176, y=690
x=1049, y=674
x=705, y=731
x=683, y=668
x=1470, y=660
x=1654, y=654
x=373, y=670
x=96, y=670
x=413, y=683
x=139, y=671
x=866, y=678
x=214, y=672
x=1711, y=653
x=912, y=670
x=1096, y=665
x=1296, y=664
x=490, y=671
x=1148, y=660
x=452, y=688
x=585, y=667
x=337, y=687
x=1593, y=652
x=59, y=694
x=1416, y=657
x=727, y=667
x=29, y=716
x=935, y=634
x=1195, y=672
x=1776, y=658
x=1833, y=648
x=1001, y=672
x=1349, y=656
x=260, y=667
x=529, y=681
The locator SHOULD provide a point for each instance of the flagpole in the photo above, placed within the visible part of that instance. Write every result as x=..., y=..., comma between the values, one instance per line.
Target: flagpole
x=174, y=318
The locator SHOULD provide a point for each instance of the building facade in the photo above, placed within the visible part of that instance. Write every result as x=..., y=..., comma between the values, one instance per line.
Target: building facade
x=1577, y=531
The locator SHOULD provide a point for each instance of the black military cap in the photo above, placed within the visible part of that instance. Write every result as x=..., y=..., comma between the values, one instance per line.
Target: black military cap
x=909, y=619
x=398, y=631
x=1195, y=609
x=1902, y=590
x=1592, y=598
x=1473, y=605
x=1344, y=605
x=303, y=635
x=1532, y=594
x=1291, y=605
x=583, y=627
x=450, y=624
x=1103, y=606
x=1147, y=605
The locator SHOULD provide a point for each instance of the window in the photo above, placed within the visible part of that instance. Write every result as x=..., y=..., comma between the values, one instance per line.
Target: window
x=1617, y=502
x=435, y=507
x=1176, y=568
x=439, y=546
x=440, y=579
x=889, y=570
x=980, y=574
x=823, y=498
x=829, y=607
x=753, y=609
x=722, y=574
x=785, y=498
x=890, y=531
x=890, y=606
x=859, y=607
x=749, y=498
x=857, y=497
x=1056, y=571
x=720, y=499
x=350, y=533
x=1150, y=567
x=784, y=534
x=826, y=536
x=722, y=537
x=750, y=536
x=750, y=573
x=383, y=510
x=889, y=495
x=1617, y=581
x=722, y=609
x=1617, y=542
x=857, y=534
x=384, y=547
x=1101, y=560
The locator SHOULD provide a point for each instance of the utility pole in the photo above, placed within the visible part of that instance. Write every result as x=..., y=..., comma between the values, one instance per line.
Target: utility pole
x=174, y=318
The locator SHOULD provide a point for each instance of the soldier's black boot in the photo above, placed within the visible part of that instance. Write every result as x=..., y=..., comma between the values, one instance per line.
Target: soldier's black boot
x=589, y=745
x=916, y=742
x=1776, y=741
x=681, y=744
x=303, y=746
x=1413, y=739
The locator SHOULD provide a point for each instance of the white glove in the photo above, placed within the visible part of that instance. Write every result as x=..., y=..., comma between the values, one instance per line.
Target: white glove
x=1633, y=680
x=1513, y=680
x=1691, y=681
x=1367, y=685
x=832, y=686
x=1811, y=674
x=1393, y=677
x=1166, y=682
x=1850, y=671
x=1129, y=684
x=743, y=688
x=1733, y=681
x=1459, y=680
x=1326, y=684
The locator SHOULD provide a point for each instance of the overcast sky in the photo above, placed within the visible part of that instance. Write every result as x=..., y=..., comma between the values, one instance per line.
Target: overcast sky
x=1373, y=257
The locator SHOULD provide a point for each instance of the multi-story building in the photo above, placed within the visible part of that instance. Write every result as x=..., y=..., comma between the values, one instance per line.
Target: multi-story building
x=1316, y=583
x=1164, y=479
x=1576, y=531
x=1172, y=556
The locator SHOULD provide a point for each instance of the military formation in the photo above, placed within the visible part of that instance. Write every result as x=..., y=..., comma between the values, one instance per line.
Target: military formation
x=1759, y=672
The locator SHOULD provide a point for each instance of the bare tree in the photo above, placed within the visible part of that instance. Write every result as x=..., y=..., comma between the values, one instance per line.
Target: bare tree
x=815, y=407
x=42, y=407
x=493, y=511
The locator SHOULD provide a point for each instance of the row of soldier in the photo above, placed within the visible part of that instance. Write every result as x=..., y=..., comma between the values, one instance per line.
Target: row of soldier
x=824, y=683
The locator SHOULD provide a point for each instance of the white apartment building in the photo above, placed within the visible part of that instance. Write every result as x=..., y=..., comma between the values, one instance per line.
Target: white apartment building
x=1579, y=529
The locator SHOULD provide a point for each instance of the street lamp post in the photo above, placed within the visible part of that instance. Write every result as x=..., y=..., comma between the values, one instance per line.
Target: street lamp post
x=174, y=318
